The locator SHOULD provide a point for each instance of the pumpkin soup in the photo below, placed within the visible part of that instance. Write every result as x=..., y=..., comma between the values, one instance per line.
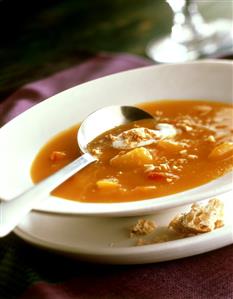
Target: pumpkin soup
x=187, y=144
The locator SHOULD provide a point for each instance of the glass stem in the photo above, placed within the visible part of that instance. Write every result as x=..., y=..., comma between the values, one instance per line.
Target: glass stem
x=188, y=24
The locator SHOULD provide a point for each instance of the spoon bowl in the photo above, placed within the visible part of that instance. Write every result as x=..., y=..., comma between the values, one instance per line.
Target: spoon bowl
x=105, y=119
x=14, y=210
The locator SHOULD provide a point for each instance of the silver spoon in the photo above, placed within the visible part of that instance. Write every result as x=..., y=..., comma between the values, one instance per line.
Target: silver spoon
x=12, y=211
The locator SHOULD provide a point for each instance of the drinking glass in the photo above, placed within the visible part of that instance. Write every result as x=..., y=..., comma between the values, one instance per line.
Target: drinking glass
x=191, y=37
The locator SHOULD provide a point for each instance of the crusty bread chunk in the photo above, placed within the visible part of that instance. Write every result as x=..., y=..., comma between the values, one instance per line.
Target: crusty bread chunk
x=143, y=227
x=200, y=219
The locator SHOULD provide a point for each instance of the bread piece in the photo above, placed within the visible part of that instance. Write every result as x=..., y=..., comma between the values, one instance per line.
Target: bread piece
x=200, y=219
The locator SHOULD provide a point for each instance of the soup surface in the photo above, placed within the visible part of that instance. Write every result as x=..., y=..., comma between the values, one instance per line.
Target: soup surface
x=188, y=143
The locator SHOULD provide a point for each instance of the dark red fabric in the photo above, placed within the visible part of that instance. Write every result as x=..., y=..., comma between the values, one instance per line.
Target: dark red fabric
x=205, y=276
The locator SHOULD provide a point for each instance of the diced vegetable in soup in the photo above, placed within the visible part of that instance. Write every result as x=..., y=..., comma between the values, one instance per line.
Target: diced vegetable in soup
x=187, y=144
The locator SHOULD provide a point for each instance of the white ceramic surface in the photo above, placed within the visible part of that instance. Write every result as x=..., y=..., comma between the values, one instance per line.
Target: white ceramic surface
x=21, y=138
x=106, y=240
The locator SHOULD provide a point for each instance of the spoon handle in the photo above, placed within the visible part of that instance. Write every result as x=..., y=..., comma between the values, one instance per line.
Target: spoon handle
x=12, y=211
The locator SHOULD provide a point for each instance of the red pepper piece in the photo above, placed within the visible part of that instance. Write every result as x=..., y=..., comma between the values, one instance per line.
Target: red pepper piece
x=155, y=175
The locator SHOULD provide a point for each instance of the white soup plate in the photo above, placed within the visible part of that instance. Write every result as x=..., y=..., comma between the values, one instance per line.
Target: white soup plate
x=21, y=138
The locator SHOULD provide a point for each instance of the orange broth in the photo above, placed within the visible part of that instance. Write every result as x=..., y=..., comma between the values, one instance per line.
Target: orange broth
x=201, y=151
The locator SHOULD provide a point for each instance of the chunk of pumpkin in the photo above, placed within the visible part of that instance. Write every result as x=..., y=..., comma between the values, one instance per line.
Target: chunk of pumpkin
x=132, y=159
x=171, y=146
x=107, y=184
x=221, y=151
